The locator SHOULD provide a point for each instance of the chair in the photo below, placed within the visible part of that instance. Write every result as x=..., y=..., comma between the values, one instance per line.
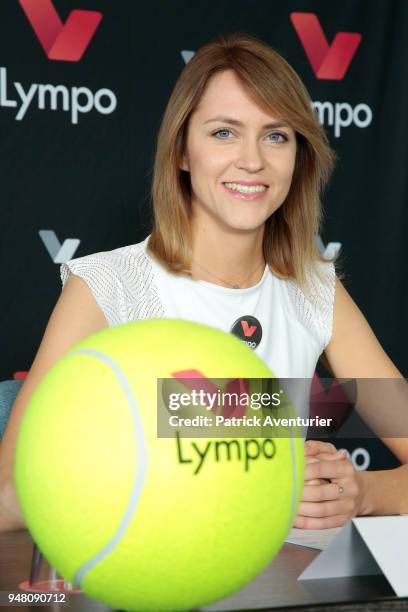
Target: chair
x=8, y=393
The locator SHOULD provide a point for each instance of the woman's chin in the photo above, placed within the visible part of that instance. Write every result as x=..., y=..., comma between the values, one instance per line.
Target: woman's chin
x=244, y=225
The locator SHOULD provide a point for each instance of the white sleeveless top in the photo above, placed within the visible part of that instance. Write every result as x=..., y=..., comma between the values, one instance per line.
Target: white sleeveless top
x=287, y=330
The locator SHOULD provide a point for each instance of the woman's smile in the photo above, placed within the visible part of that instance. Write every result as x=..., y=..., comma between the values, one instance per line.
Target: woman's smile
x=246, y=191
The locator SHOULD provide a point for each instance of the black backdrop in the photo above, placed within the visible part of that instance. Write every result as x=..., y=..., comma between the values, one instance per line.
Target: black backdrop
x=85, y=179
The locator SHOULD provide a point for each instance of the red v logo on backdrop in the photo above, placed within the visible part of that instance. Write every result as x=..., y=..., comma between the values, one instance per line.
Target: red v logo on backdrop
x=248, y=330
x=328, y=61
x=336, y=402
x=61, y=41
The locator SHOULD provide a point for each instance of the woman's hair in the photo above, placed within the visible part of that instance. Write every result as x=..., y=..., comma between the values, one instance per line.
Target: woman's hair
x=289, y=242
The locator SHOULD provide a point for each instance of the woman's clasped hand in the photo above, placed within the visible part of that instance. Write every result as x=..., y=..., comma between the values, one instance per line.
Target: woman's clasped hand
x=332, y=492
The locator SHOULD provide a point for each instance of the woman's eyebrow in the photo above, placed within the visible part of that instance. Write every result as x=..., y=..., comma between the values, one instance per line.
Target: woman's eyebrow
x=231, y=121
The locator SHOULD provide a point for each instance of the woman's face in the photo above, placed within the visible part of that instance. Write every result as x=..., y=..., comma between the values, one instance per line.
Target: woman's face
x=240, y=159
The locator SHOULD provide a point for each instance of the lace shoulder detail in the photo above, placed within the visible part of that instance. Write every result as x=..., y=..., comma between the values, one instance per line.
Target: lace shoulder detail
x=122, y=282
x=315, y=311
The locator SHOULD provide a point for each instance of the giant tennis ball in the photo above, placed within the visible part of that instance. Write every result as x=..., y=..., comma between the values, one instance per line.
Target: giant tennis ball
x=137, y=521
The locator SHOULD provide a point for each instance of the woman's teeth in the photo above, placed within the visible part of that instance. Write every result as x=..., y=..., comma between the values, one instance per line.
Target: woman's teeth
x=246, y=188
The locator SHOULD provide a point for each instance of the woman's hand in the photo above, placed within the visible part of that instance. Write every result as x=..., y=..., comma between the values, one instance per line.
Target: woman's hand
x=331, y=493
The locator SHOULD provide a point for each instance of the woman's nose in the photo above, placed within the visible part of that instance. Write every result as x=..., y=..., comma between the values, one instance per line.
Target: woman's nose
x=249, y=156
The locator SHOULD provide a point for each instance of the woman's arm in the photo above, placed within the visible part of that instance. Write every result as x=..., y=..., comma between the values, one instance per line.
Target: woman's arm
x=75, y=316
x=353, y=352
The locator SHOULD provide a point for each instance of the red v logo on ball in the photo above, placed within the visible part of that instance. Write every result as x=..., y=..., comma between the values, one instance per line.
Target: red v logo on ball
x=61, y=41
x=248, y=330
x=196, y=381
x=328, y=61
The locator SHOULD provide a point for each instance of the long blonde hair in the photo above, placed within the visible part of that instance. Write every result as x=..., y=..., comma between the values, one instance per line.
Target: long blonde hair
x=289, y=242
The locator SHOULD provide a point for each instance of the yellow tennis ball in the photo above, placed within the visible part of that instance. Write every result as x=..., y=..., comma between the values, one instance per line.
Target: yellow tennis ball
x=138, y=521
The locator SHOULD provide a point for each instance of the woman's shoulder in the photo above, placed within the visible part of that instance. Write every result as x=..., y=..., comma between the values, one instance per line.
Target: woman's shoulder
x=118, y=278
x=115, y=257
x=313, y=304
x=114, y=262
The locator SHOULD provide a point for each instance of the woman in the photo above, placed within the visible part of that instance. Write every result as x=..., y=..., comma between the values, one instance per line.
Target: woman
x=240, y=163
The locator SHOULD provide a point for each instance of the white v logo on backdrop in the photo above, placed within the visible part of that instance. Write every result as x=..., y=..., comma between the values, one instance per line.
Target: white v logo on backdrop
x=187, y=55
x=330, y=249
x=60, y=253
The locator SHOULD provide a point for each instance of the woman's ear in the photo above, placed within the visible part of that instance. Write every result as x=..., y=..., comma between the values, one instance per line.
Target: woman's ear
x=184, y=163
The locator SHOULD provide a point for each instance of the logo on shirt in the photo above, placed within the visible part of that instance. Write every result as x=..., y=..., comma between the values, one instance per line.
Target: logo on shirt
x=249, y=330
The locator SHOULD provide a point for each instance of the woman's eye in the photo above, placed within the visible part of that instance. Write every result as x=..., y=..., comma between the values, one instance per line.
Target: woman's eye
x=277, y=137
x=223, y=130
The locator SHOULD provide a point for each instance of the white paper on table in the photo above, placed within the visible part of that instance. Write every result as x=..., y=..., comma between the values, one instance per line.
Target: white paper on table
x=312, y=538
x=366, y=545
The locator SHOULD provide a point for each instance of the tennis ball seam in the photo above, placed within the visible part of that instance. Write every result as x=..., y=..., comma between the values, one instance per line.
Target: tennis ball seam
x=141, y=464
